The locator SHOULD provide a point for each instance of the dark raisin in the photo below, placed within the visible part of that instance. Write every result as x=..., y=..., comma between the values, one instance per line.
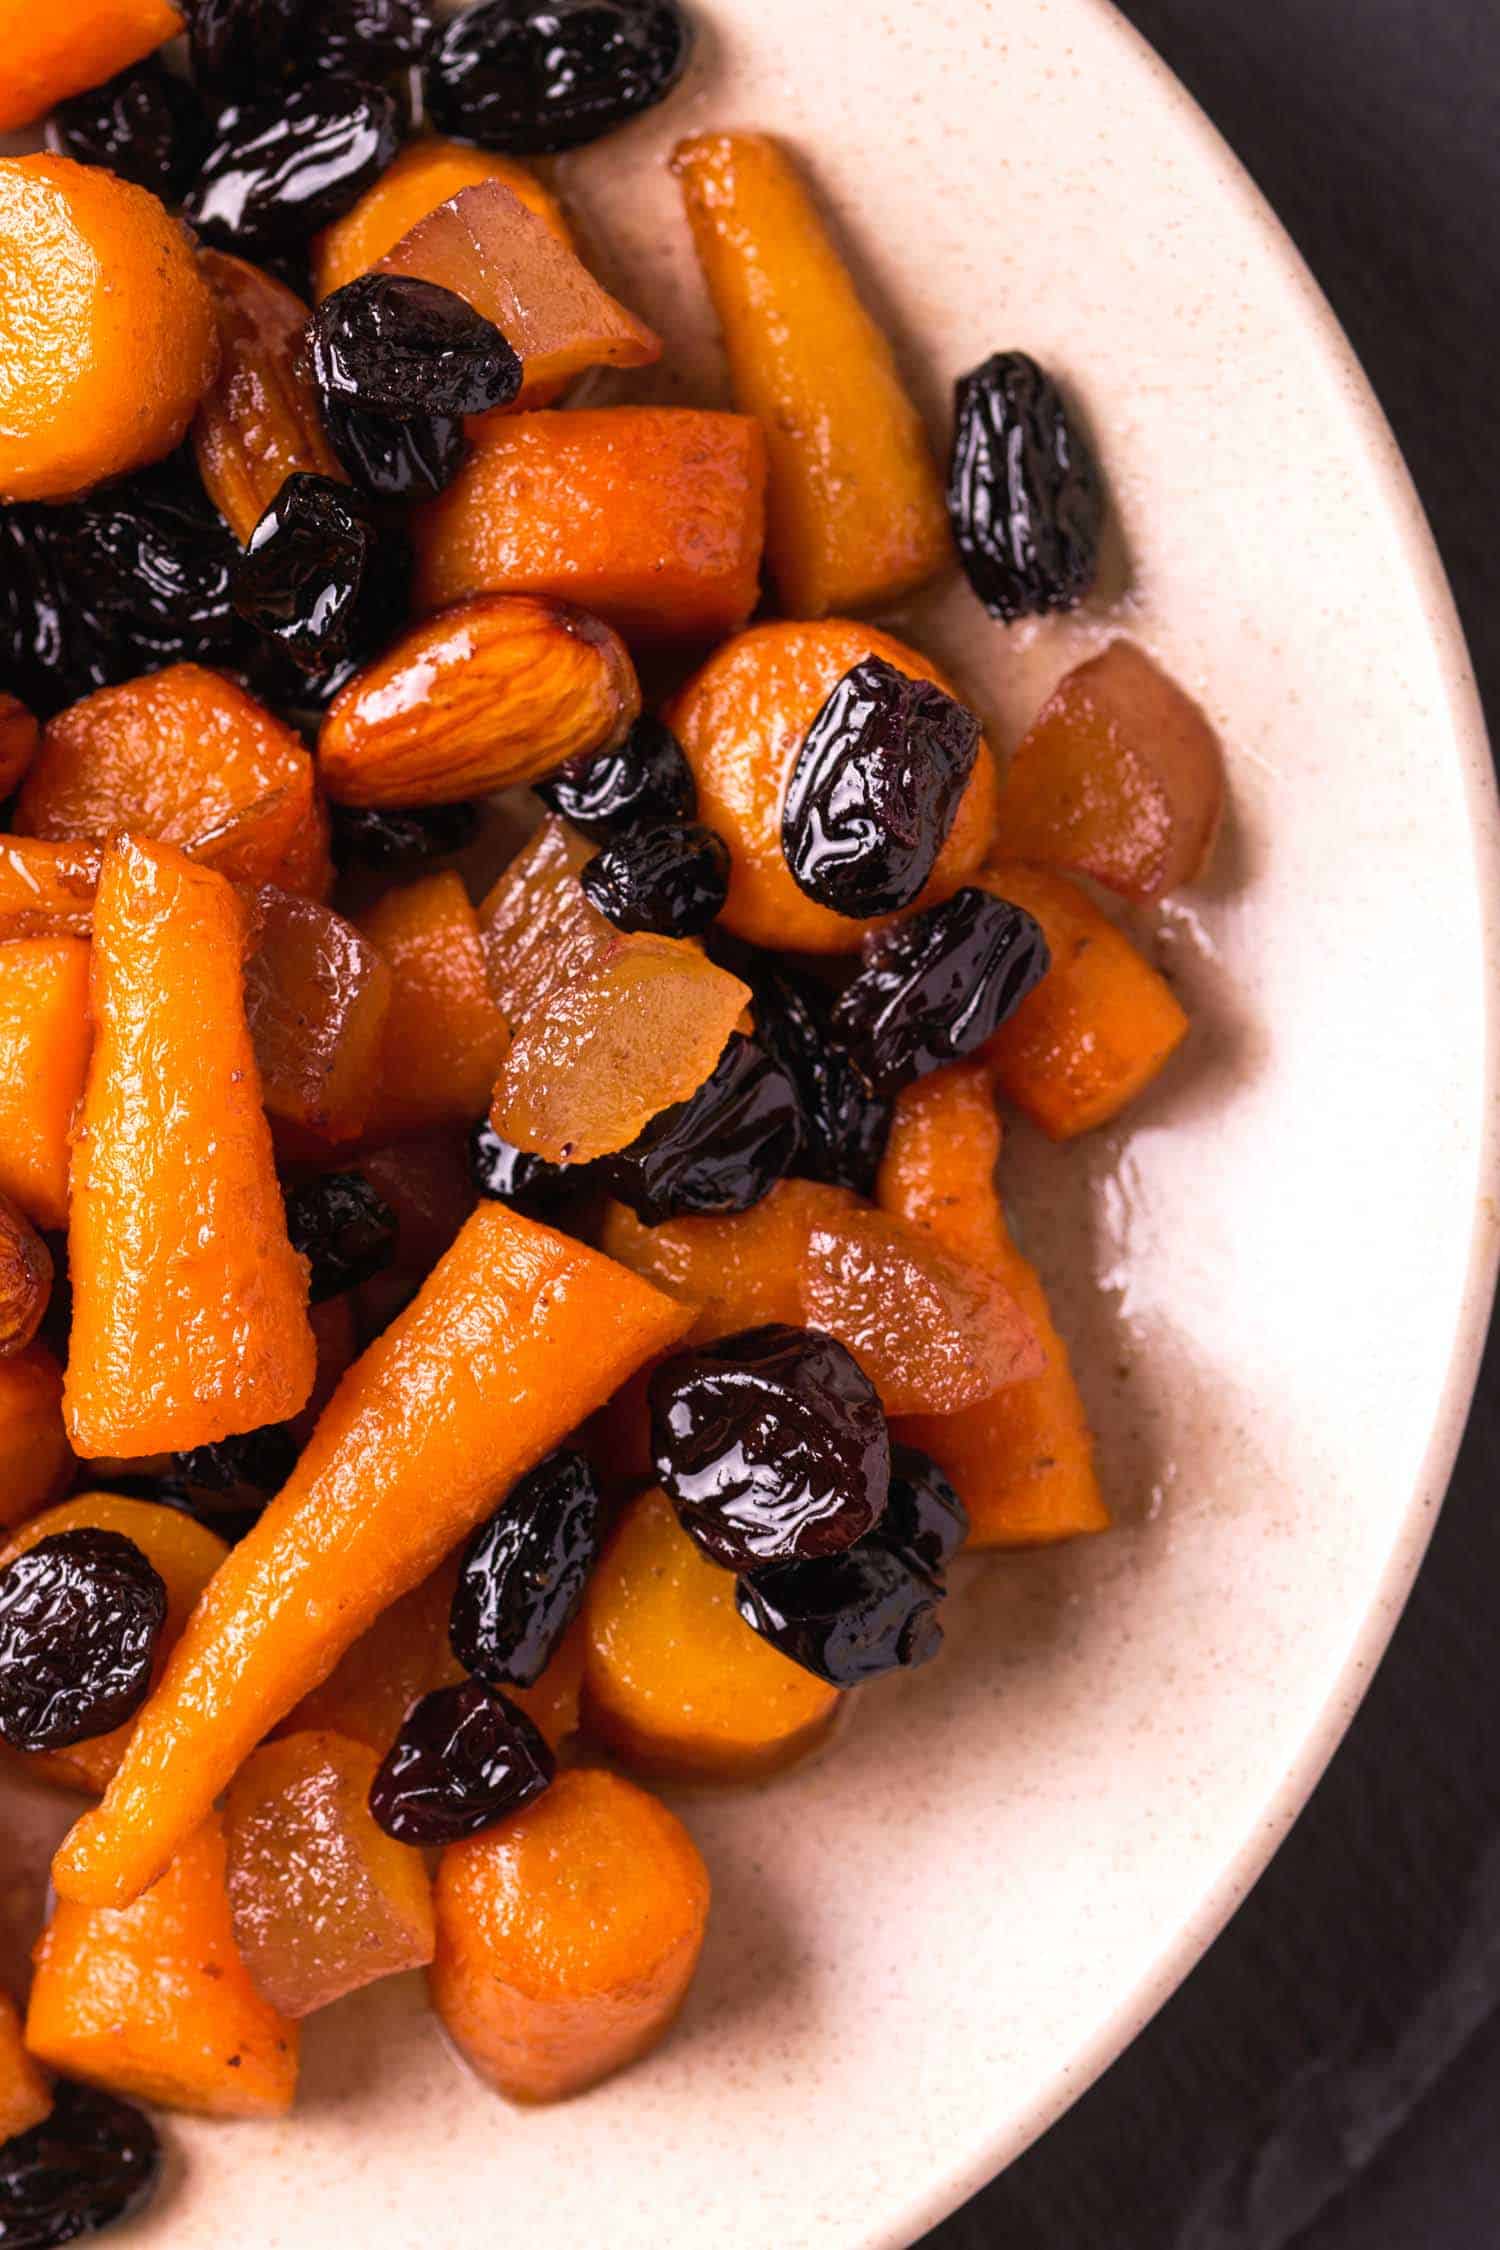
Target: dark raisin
x=394, y=460
x=300, y=579
x=721, y=1150
x=505, y=1174
x=874, y=788
x=644, y=778
x=523, y=1572
x=531, y=76
x=464, y=1758
x=934, y=987
x=670, y=879
x=924, y=1518
x=846, y=1617
x=845, y=1123
x=281, y=169
x=80, y=1616
x=145, y=125
x=1024, y=497
x=367, y=39
x=92, y=2161
x=343, y=1228
x=244, y=46
x=773, y=1445
x=258, y=1460
x=392, y=344
x=376, y=836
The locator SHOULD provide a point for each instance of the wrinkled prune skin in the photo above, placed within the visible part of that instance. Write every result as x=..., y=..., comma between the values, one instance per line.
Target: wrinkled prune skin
x=845, y=1123
x=936, y=986
x=465, y=1757
x=144, y=125
x=667, y=878
x=773, y=1445
x=394, y=460
x=367, y=39
x=848, y=1618
x=1024, y=496
x=503, y=1173
x=721, y=1150
x=522, y=1573
x=80, y=1616
x=387, y=836
x=281, y=169
x=393, y=344
x=227, y=1484
x=874, y=789
x=244, y=46
x=535, y=76
x=343, y=1228
x=925, y=1519
x=93, y=2161
x=300, y=579
x=644, y=778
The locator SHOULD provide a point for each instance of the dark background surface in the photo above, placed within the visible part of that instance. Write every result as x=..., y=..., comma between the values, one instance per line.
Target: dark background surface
x=1329, y=2077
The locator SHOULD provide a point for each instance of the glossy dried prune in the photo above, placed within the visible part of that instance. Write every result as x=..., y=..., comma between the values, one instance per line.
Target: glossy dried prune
x=522, y=1574
x=845, y=1123
x=80, y=1616
x=281, y=169
x=300, y=579
x=383, y=836
x=668, y=878
x=924, y=1517
x=464, y=1758
x=936, y=986
x=644, y=778
x=392, y=344
x=256, y=1460
x=848, y=1618
x=394, y=460
x=243, y=46
x=95, y=2159
x=533, y=76
x=773, y=1445
x=721, y=1150
x=1024, y=497
x=366, y=39
x=343, y=1228
x=505, y=1174
x=144, y=125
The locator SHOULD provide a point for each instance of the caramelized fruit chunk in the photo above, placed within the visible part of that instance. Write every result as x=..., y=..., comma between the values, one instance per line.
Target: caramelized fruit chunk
x=45, y=1035
x=323, y=1901
x=934, y=987
x=522, y=1573
x=845, y=1618
x=80, y=1615
x=445, y=1039
x=36, y=1461
x=46, y=889
x=93, y=2160
x=739, y=1272
x=51, y=53
x=19, y=736
x=25, y=2097
x=1023, y=492
x=317, y=994
x=25, y=1279
x=464, y=1757
x=258, y=422
x=1119, y=776
x=538, y=78
x=539, y=930
x=426, y=173
x=743, y=720
x=568, y=1936
x=674, y=1679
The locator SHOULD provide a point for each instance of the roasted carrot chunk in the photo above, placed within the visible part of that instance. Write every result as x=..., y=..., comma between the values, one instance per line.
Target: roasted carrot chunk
x=445, y=1039
x=1023, y=1459
x=46, y=890
x=1120, y=777
x=567, y=1936
x=258, y=422
x=154, y=2000
x=323, y=1900
x=187, y=758
x=426, y=173
x=742, y=720
x=107, y=338
x=19, y=736
x=674, y=1679
x=854, y=505
x=25, y=2097
x=317, y=995
x=515, y=1337
x=1100, y=1025
x=51, y=53
x=651, y=516
x=182, y=1550
x=44, y=1052
x=189, y=1305
x=36, y=1461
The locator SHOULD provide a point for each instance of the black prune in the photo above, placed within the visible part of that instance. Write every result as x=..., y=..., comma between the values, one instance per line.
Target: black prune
x=280, y=170
x=80, y=1616
x=721, y=1150
x=392, y=344
x=924, y=1517
x=1024, y=497
x=94, y=2160
x=394, y=460
x=464, y=1758
x=874, y=788
x=144, y=124
x=667, y=878
x=254, y=1460
x=934, y=987
x=849, y=1617
x=845, y=1123
x=367, y=39
x=244, y=46
x=522, y=1574
x=343, y=1228
x=300, y=579
x=773, y=1445
x=385, y=836
x=536, y=76
x=504, y=1173
x=644, y=778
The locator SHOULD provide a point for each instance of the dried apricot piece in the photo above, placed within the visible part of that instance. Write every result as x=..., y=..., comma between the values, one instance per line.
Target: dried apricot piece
x=45, y=1035
x=1119, y=776
x=107, y=337
x=51, y=53
x=36, y=1460
x=19, y=736
x=445, y=1039
x=426, y=173
x=317, y=994
x=258, y=421
x=497, y=690
x=46, y=889
x=539, y=930
x=742, y=720
x=740, y=1272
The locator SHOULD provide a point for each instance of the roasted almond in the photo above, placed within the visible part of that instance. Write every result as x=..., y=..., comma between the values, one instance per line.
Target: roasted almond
x=258, y=422
x=25, y=1279
x=19, y=736
x=497, y=690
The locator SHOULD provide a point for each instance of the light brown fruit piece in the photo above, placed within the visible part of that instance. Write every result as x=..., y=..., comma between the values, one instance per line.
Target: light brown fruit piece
x=25, y=1279
x=444, y=1036
x=317, y=994
x=258, y=421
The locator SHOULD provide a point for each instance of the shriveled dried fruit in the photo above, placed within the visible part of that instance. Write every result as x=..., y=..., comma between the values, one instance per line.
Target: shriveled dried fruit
x=258, y=1460
x=505, y=1174
x=924, y=1516
x=143, y=124
x=346, y=1232
x=94, y=2160
x=533, y=77
x=395, y=836
x=522, y=1574
x=394, y=344
x=279, y=169
x=368, y=39
x=644, y=778
x=938, y=985
x=257, y=423
x=242, y=46
x=720, y=1150
x=394, y=460
x=844, y=1121
x=1023, y=493
x=80, y=1615
x=669, y=878
x=464, y=1758
x=317, y=995
x=300, y=578
x=25, y=1279
x=848, y=1618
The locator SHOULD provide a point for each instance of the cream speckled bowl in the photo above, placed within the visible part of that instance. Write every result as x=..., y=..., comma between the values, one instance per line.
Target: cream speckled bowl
x=927, y=1943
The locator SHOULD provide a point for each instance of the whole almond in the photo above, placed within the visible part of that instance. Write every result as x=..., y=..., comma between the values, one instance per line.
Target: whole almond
x=25, y=1279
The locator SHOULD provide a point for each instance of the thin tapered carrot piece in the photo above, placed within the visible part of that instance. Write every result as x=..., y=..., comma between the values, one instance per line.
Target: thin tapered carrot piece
x=517, y=1335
